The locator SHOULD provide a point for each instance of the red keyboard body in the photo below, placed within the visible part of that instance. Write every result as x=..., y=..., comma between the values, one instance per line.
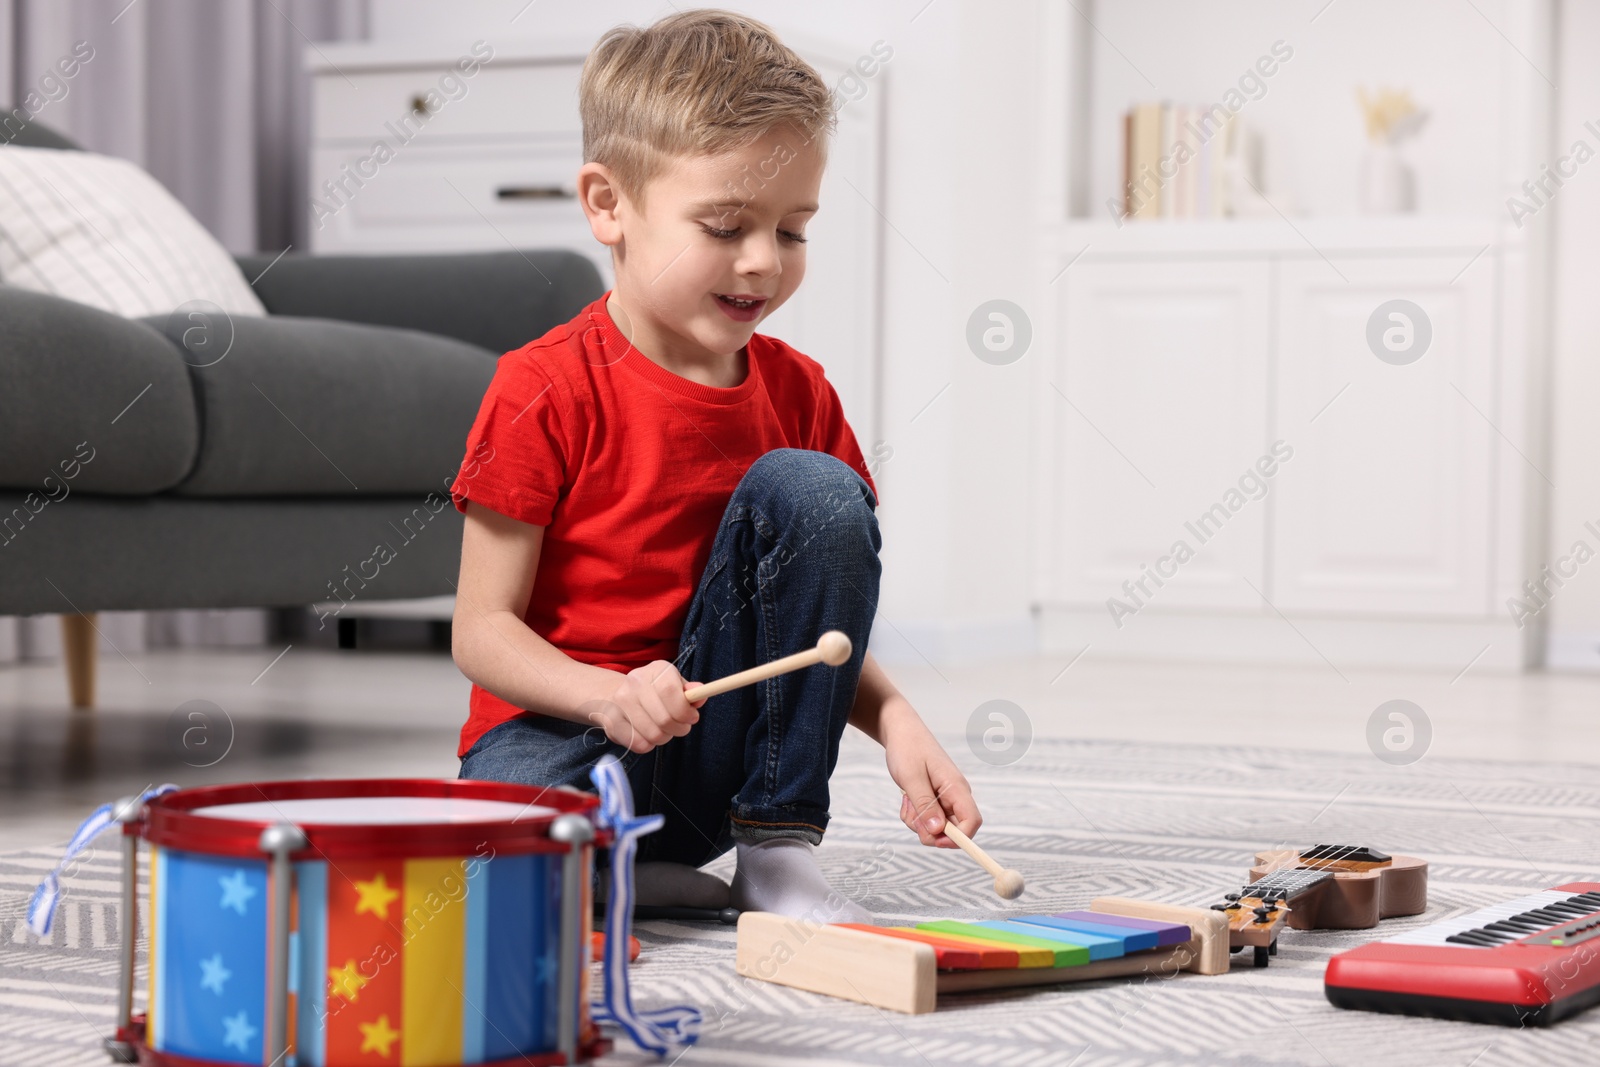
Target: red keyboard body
x=1529, y=962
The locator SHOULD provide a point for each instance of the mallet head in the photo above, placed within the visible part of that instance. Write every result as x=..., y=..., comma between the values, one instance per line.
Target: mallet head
x=1008, y=884
x=834, y=646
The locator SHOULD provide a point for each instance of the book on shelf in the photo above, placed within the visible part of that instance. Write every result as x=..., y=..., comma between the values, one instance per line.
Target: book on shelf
x=1179, y=162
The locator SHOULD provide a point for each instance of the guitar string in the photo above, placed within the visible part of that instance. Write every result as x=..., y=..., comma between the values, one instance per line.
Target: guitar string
x=1284, y=877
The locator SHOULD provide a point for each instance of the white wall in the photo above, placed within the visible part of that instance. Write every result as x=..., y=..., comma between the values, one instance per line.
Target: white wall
x=1575, y=343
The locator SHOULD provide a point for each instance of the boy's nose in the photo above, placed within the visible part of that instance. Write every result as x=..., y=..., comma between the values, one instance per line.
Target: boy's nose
x=759, y=256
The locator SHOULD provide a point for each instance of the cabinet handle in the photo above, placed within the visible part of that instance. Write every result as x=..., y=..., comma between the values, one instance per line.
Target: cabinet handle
x=534, y=192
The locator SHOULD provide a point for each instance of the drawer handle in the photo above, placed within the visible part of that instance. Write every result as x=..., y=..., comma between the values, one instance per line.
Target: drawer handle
x=534, y=192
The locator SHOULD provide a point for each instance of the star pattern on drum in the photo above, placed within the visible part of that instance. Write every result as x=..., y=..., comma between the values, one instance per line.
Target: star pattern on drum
x=240, y=1032
x=346, y=981
x=236, y=893
x=213, y=974
x=378, y=1037
x=375, y=897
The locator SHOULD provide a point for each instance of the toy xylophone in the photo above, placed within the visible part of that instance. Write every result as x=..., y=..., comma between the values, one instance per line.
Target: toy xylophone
x=1530, y=961
x=905, y=968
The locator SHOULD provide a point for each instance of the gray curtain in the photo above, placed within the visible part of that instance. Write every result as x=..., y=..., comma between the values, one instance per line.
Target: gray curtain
x=210, y=96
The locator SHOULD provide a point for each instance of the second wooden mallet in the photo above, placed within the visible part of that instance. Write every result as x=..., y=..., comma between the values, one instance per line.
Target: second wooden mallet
x=1008, y=884
x=832, y=648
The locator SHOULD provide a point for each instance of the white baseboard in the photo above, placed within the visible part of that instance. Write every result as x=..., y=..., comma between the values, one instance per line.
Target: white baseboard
x=1266, y=638
x=1573, y=650
x=936, y=641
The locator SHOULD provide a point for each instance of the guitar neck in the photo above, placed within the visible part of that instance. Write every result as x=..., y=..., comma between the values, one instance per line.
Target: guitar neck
x=1286, y=884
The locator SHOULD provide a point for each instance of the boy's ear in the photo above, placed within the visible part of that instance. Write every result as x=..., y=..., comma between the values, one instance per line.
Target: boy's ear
x=601, y=198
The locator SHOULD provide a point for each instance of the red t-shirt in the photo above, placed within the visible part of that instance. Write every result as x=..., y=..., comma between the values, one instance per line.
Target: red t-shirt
x=629, y=468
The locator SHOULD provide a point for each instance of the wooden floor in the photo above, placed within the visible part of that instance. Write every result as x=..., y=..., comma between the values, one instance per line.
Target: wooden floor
x=360, y=713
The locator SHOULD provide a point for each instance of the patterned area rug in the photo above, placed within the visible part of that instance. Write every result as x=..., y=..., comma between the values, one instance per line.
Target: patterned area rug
x=1080, y=819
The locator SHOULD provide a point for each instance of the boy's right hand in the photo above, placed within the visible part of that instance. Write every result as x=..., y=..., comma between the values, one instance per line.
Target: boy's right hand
x=647, y=708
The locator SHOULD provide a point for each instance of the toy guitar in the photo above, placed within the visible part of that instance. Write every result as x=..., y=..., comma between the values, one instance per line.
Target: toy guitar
x=1327, y=887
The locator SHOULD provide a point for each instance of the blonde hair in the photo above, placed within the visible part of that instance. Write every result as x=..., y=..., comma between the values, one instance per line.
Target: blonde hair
x=697, y=82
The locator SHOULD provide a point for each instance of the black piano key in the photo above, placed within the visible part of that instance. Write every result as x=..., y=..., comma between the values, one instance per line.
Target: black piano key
x=1513, y=927
x=1576, y=911
x=1571, y=910
x=1549, y=915
x=1493, y=930
x=1477, y=940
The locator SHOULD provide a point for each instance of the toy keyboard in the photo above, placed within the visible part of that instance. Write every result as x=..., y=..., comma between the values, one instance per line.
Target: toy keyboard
x=1530, y=961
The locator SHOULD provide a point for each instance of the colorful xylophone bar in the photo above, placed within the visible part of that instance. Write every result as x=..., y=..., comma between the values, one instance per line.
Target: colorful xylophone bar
x=905, y=968
x=1063, y=940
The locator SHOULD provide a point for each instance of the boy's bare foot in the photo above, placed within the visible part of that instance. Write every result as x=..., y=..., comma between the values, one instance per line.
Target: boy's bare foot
x=677, y=885
x=781, y=875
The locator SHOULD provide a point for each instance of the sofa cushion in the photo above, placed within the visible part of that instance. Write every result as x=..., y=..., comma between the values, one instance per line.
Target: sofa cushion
x=297, y=407
x=101, y=231
x=99, y=553
x=500, y=300
x=80, y=382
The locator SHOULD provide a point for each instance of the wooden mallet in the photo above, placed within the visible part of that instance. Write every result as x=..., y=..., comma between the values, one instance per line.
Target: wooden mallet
x=833, y=648
x=1008, y=883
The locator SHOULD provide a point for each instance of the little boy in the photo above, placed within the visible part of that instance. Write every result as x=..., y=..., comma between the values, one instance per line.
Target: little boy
x=656, y=439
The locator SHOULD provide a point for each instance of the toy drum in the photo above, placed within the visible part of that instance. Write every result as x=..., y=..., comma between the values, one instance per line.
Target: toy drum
x=365, y=921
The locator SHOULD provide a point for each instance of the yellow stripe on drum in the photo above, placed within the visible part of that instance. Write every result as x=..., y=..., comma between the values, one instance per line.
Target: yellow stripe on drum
x=435, y=933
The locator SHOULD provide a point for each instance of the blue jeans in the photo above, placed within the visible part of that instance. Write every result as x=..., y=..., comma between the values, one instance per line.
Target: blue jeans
x=796, y=554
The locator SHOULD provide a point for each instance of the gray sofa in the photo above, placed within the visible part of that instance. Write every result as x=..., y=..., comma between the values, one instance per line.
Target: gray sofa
x=140, y=471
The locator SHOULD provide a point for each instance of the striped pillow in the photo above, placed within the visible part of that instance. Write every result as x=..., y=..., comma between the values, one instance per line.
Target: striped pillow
x=101, y=231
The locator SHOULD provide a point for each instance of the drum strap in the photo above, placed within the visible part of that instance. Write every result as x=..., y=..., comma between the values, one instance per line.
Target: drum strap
x=663, y=1029
x=42, y=908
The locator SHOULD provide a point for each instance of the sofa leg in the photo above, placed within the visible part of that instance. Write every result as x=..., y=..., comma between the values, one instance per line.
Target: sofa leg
x=78, y=644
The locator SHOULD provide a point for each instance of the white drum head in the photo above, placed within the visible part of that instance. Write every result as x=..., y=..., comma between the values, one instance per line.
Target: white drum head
x=378, y=811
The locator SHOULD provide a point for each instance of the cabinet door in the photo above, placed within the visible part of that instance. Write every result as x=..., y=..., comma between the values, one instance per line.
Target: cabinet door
x=1385, y=508
x=1157, y=405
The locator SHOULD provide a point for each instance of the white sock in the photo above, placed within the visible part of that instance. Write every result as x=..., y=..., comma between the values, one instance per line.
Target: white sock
x=677, y=885
x=780, y=875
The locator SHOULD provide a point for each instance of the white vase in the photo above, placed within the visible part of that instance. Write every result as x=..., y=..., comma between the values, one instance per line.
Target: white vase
x=1388, y=186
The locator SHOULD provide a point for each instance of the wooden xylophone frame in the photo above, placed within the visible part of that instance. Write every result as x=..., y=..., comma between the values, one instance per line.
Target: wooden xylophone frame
x=903, y=975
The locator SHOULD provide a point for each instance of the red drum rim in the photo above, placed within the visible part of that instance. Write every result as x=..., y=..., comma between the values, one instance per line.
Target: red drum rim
x=595, y=1047
x=169, y=820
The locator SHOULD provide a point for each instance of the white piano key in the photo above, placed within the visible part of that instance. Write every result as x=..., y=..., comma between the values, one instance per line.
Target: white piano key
x=1439, y=931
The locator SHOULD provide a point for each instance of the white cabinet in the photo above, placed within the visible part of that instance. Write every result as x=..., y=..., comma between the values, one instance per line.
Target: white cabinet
x=1160, y=398
x=1386, y=505
x=1180, y=355
x=493, y=167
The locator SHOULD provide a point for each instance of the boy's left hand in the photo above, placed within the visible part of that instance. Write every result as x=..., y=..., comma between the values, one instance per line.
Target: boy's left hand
x=934, y=788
